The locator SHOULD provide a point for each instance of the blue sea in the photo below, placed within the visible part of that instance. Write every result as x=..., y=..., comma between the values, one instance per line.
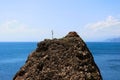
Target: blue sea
x=14, y=54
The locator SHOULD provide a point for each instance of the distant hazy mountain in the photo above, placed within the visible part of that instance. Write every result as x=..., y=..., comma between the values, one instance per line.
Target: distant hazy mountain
x=114, y=39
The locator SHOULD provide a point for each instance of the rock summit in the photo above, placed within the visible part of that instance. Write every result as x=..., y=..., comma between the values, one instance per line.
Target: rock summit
x=67, y=58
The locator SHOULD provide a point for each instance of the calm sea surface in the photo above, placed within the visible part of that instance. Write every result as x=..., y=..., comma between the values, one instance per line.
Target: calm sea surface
x=14, y=54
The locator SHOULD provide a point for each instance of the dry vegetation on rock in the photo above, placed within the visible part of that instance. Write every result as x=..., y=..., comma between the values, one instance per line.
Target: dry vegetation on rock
x=67, y=58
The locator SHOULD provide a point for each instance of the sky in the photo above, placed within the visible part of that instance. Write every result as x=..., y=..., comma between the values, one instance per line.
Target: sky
x=33, y=20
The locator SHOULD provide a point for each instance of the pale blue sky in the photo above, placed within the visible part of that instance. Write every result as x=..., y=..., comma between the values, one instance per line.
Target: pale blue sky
x=33, y=20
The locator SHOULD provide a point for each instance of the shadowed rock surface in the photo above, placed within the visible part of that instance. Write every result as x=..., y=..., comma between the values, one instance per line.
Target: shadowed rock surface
x=67, y=58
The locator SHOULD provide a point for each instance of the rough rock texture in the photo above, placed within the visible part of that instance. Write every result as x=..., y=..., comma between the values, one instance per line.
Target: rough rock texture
x=67, y=58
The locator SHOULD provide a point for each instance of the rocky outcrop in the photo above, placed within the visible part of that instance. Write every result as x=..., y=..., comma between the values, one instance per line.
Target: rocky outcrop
x=67, y=58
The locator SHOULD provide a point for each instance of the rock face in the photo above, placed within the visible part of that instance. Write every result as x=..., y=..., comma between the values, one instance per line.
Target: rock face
x=67, y=58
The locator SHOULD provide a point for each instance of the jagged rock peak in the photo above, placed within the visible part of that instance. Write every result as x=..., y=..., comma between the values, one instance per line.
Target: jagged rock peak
x=67, y=58
x=72, y=34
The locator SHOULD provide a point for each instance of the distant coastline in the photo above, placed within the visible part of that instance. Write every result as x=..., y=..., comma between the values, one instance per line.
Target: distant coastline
x=113, y=39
